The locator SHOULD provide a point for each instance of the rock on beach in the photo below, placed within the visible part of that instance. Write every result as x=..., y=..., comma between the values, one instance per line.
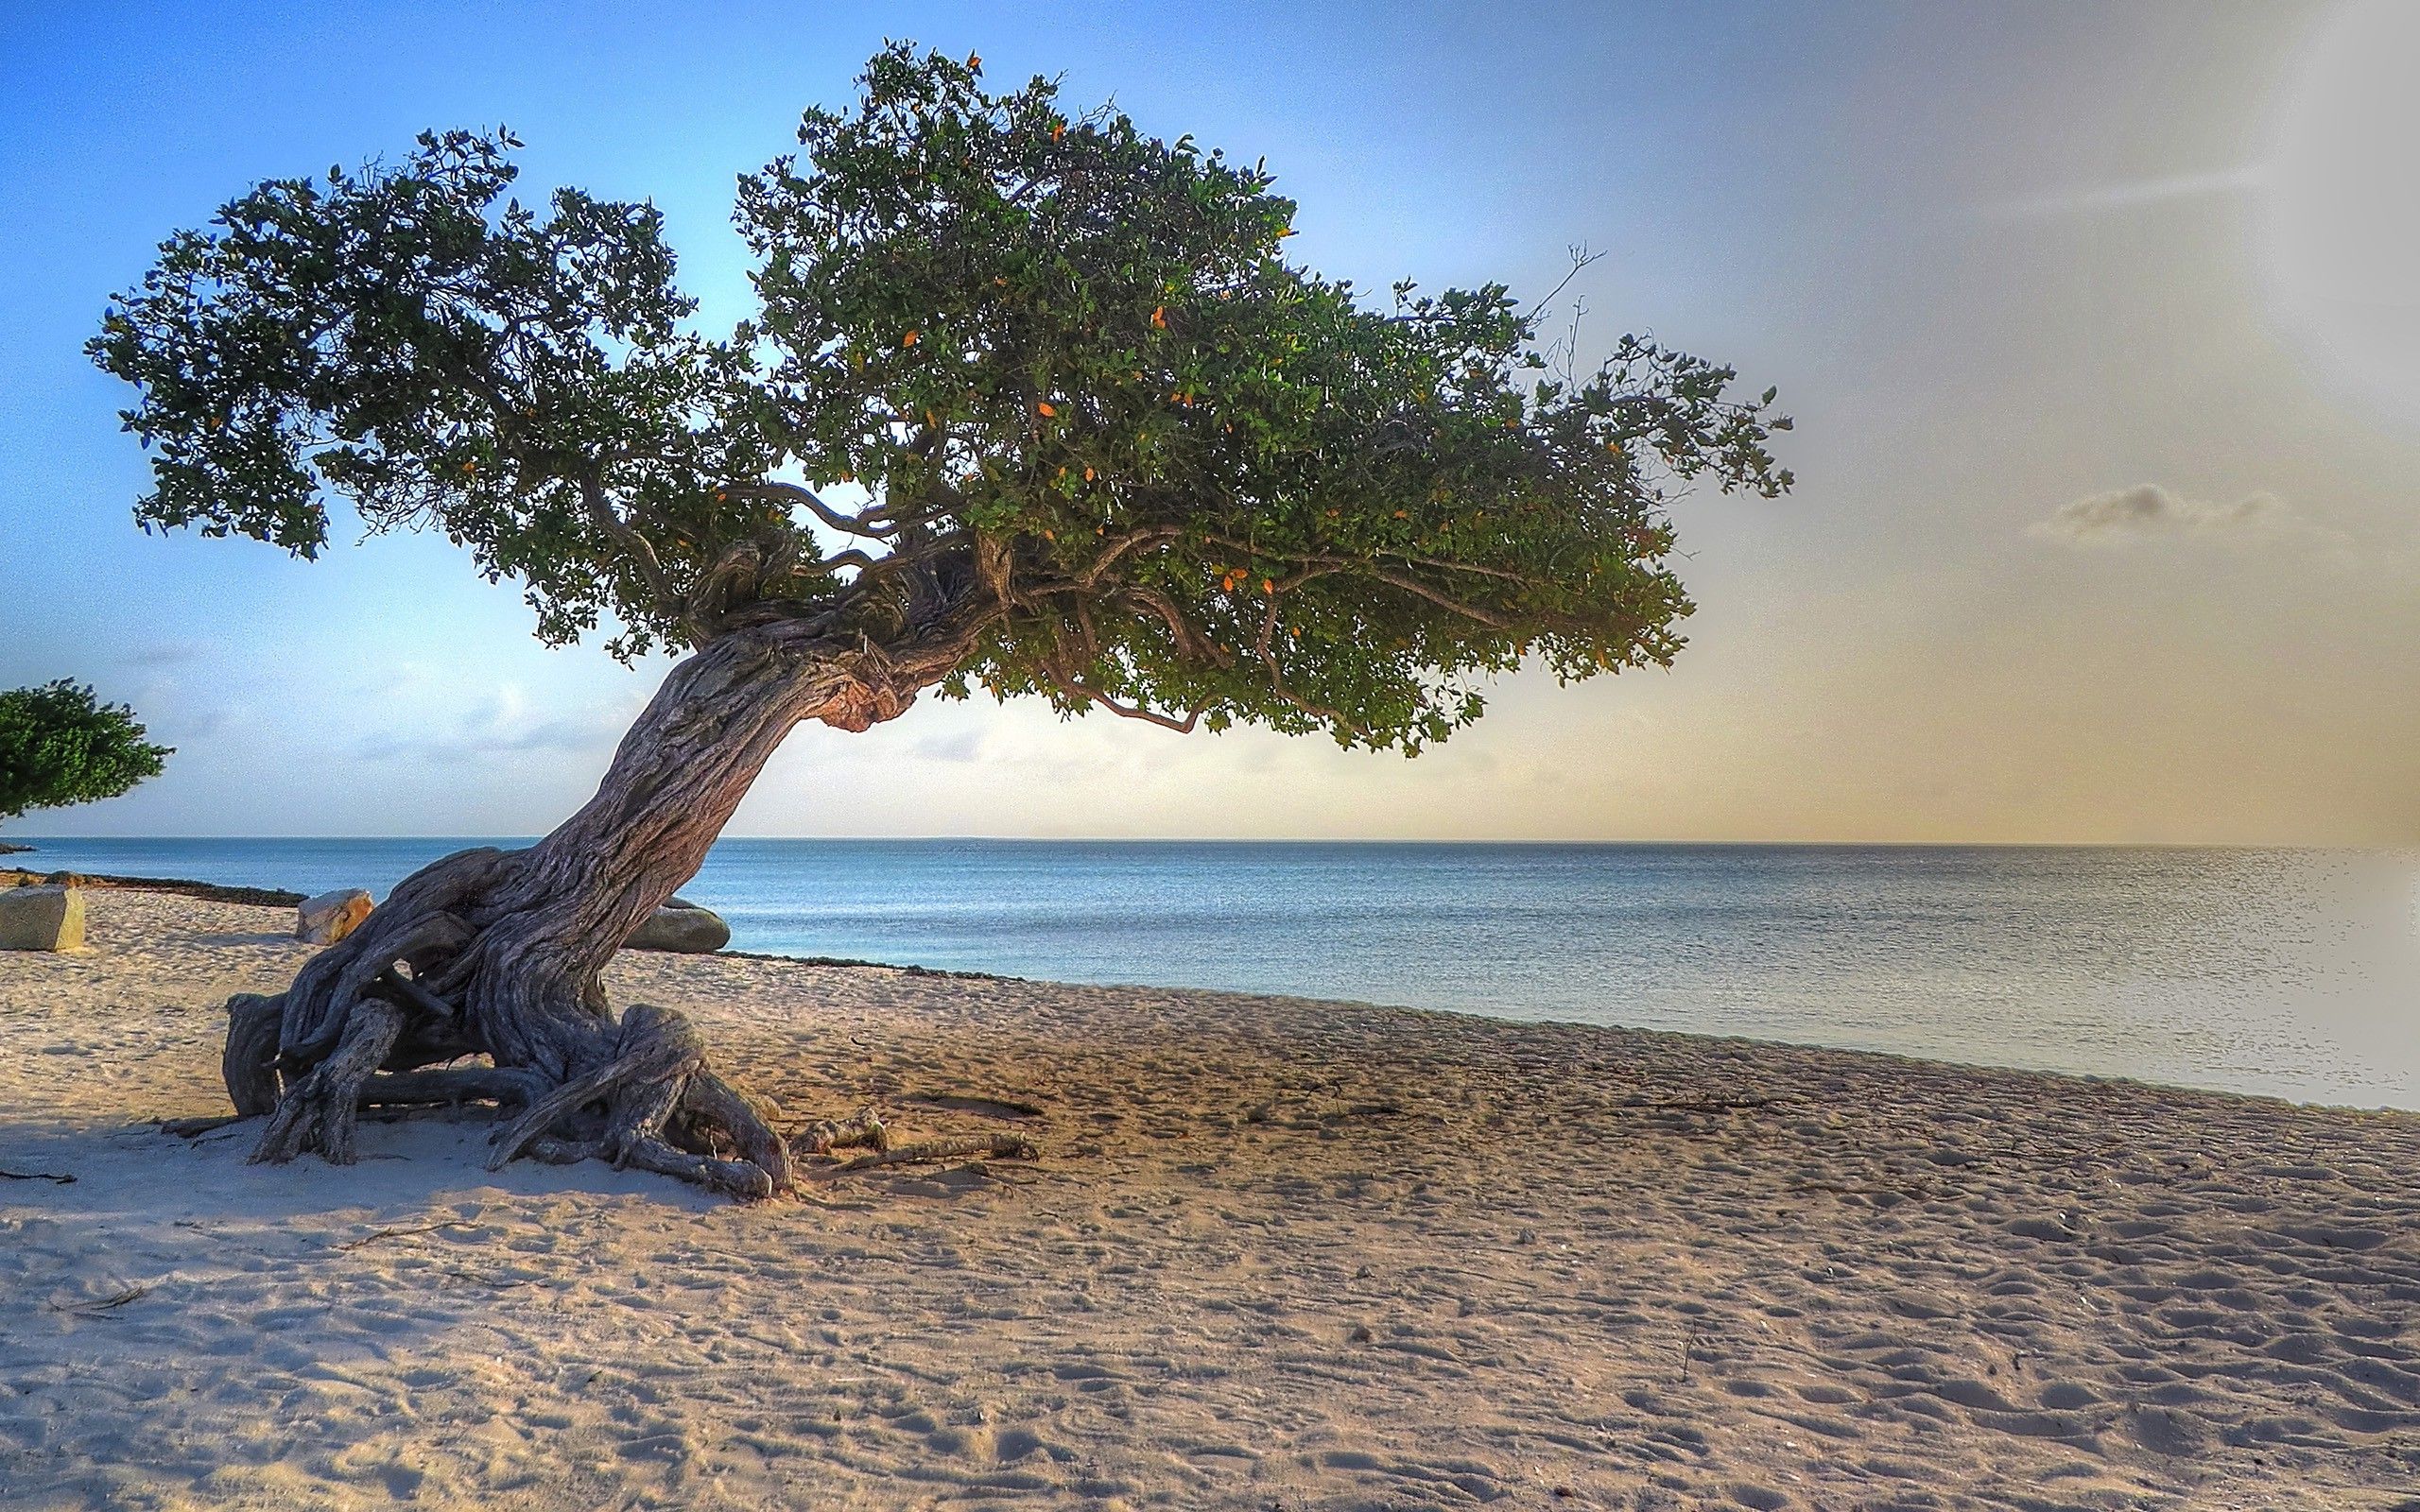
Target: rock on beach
x=41, y=918
x=331, y=916
x=682, y=927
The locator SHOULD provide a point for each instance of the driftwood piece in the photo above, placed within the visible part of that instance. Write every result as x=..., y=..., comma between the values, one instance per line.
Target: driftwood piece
x=862, y=1129
x=995, y=1147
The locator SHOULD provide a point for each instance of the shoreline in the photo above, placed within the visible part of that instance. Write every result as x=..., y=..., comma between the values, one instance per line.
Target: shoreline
x=276, y=896
x=1274, y=1252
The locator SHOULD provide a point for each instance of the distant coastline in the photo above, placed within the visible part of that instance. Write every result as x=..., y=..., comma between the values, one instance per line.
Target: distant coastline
x=207, y=891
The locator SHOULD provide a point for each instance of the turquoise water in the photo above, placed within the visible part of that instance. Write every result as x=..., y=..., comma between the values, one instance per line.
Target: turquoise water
x=2282, y=972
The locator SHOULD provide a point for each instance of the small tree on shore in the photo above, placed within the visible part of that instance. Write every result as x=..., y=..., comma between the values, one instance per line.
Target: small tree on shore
x=1032, y=405
x=60, y=745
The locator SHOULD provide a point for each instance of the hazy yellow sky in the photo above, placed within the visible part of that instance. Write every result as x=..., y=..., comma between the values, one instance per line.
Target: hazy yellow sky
x=2100, y=324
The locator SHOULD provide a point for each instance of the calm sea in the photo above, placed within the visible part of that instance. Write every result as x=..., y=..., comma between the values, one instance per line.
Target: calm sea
x=2292, y=973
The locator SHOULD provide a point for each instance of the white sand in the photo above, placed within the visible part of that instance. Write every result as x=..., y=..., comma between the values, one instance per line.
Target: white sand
x=1276, y=1255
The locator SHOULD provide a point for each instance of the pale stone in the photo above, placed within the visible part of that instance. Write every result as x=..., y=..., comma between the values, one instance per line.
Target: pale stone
x=41, y=918
x=331, y=916
x=682, y=927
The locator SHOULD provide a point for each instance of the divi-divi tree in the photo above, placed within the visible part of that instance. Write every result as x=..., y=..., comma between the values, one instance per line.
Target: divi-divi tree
x=1032, y=404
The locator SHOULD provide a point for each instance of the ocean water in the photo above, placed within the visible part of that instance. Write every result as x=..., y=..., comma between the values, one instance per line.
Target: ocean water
x=2290, y=972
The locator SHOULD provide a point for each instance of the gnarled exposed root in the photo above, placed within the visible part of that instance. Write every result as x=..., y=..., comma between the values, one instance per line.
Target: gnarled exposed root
x=650, y=1103
x=321, y=1110
x=653, y=1105
x=655, y=1090
x=250, y=1060
x=496, y=956
x=453, y=1086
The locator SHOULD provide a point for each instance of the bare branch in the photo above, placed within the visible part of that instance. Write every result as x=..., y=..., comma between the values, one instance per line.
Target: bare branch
x=1074, y=689
x=1408, y=584
x=854, y=524
x=1444, y=601
x=1119, y=547
x=1277, y=677
x=1191, y=639
x=670, y=605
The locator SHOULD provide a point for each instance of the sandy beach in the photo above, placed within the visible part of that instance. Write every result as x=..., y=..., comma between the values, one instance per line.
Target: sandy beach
x=1273, y=1254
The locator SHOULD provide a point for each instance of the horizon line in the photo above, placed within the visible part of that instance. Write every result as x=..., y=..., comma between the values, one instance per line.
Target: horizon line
x=30, y=840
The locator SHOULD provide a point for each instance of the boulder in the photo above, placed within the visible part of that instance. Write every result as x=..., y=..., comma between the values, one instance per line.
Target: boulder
x=681, y=926
x=41, y=918
x=331, y=916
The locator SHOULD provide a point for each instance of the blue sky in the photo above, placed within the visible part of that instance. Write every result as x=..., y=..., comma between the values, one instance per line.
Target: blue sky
x=2002, y=262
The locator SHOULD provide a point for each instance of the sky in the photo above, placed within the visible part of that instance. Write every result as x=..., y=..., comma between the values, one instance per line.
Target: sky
x=2101, y=326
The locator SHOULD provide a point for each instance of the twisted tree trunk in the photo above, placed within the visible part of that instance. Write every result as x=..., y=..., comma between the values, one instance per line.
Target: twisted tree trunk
x=498, y=953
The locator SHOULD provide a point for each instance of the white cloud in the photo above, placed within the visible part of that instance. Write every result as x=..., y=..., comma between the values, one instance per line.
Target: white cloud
x=2148, y=510
x=2130, y=193
x=502, y=724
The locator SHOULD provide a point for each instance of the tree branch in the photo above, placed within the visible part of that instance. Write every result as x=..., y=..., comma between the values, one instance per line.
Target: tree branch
x=1077, y=690
x=1119, y=547
x=1190, y=641
x=670, y=605
x=1444, y=601
x=1409, y=585
x=862, y=525
x=1277, y=677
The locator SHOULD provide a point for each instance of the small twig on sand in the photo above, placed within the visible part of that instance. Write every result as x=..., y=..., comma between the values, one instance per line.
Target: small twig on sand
x=1703, y=1105
x=61, y=1179
x=1003, y=1147
x=103, y=1304
x=987, y=1106
x=376, y=1234
x=187, y=1129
